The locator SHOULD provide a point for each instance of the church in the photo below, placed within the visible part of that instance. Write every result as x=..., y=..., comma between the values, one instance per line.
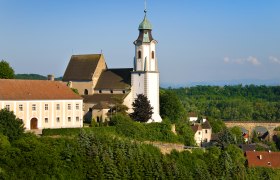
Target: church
x=101, y=86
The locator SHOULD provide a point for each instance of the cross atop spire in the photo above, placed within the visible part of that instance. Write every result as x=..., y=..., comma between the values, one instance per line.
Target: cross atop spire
x=145, y=5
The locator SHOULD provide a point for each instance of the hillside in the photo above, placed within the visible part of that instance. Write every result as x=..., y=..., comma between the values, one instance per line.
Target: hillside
x=249, y=102
x=34, y=77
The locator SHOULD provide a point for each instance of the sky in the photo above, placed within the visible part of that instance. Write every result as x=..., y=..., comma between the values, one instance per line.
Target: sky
x=198, y=40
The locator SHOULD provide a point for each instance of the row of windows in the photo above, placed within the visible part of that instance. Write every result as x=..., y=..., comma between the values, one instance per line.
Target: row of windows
x=205, y=132
x=69, y=107
x=140, y=55
x=58, y=119
x=100, y=91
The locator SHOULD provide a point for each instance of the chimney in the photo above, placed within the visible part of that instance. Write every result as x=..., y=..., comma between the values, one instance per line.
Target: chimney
x=269, y=151
x=50, y=77
x=260, y=157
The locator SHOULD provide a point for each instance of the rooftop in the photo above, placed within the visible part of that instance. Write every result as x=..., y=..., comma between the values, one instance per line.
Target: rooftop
x=12, y=89
x=263, y=159
x=82, y=67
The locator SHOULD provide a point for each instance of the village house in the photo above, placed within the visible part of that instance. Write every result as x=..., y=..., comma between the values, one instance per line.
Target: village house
x=266, y=159
x=41, y=103
x=202, y=133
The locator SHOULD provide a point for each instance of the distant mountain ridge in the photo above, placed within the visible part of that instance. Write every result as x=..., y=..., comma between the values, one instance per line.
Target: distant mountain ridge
x=34, y=77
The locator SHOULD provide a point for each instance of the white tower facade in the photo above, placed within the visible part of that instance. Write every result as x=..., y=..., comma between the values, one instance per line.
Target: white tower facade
x=145, y=75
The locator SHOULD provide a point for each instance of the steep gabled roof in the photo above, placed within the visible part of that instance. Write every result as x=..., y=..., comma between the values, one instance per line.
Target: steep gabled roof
x=11, y=89
x=263, y=159
x=115, y=79
x=196, y=127
x=81, y=67
x=206, y=125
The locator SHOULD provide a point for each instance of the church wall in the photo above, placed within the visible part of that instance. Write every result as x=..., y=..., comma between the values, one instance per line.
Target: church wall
x=81, y=86
x=51, y=113
x=101, y=66
x=137, y=82
x=128, y=100
x=106, y=91
x=152, y=92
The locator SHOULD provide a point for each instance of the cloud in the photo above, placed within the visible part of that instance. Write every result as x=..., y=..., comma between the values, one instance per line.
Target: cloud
x=253, y=60
x=274, y=59
x=226, y=59
x=249, y=60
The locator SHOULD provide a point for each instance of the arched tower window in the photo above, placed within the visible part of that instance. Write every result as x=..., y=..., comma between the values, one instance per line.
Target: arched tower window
x=139, y=55
x=86, y=92
x=153, y=54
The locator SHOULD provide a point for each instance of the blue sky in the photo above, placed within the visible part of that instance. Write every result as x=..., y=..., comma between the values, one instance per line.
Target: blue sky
x=198, y=40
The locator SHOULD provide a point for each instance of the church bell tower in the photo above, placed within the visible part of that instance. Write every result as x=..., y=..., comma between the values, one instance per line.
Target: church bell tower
x=145, y=75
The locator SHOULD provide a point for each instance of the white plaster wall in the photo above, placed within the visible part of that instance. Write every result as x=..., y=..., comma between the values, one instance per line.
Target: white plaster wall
x=40, y=113
x=152, y=92
x=137, y=82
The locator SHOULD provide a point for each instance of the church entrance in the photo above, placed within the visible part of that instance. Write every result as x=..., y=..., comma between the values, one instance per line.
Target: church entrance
x=34, y=123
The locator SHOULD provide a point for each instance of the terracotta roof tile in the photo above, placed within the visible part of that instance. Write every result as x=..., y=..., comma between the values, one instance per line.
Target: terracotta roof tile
x=11, y=89
x=263, y=159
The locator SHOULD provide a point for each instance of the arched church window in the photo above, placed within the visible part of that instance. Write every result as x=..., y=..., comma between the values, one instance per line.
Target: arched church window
x=139, y=55
x=153, y=54
x=86, y=92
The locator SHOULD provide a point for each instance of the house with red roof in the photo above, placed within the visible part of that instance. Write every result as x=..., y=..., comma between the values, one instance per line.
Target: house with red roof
x=266, y=159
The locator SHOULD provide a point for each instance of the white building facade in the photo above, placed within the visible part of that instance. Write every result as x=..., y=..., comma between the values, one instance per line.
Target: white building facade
x=42, y=104
x=145, y=75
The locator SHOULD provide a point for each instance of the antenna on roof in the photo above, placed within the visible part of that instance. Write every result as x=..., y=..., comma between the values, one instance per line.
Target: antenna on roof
x=101, y=51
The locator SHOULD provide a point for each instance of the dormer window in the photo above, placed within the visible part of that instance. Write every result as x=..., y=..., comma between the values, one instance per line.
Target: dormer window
x=139, y=55
x=153, y=54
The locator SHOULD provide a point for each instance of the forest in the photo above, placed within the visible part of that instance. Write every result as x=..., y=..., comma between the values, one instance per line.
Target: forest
x=238, y=103
x=115, y=151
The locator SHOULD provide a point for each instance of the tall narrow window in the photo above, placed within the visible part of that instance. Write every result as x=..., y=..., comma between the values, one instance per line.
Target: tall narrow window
x=57, y=107
x=33, y=107
x=46, y=107
x=77, y=106
x=20, y=107
x=86, y=92
x=8, y=107
x=139, y=55
x=69, y=106
x=153, y=54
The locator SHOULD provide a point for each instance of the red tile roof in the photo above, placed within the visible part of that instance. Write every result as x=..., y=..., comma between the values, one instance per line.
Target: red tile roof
x=263, y=159
x=196, y=127
x=11, y=89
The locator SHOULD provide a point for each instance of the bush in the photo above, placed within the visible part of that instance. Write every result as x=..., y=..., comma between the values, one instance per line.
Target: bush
x=10, y=126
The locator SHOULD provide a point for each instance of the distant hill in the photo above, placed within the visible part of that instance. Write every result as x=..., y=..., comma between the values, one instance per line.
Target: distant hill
x=31, y=76
x=34, y=77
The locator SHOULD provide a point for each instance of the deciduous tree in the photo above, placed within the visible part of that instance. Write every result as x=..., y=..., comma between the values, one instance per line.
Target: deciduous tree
x=6, y=71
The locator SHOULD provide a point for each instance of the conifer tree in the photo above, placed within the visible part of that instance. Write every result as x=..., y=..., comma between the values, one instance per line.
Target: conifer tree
x=142, y=109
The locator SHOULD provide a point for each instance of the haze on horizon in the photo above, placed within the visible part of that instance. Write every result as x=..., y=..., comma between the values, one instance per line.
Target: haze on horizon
x=198, y=41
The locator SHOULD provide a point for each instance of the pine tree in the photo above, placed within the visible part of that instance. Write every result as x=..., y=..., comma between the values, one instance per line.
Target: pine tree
x=142, y=109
